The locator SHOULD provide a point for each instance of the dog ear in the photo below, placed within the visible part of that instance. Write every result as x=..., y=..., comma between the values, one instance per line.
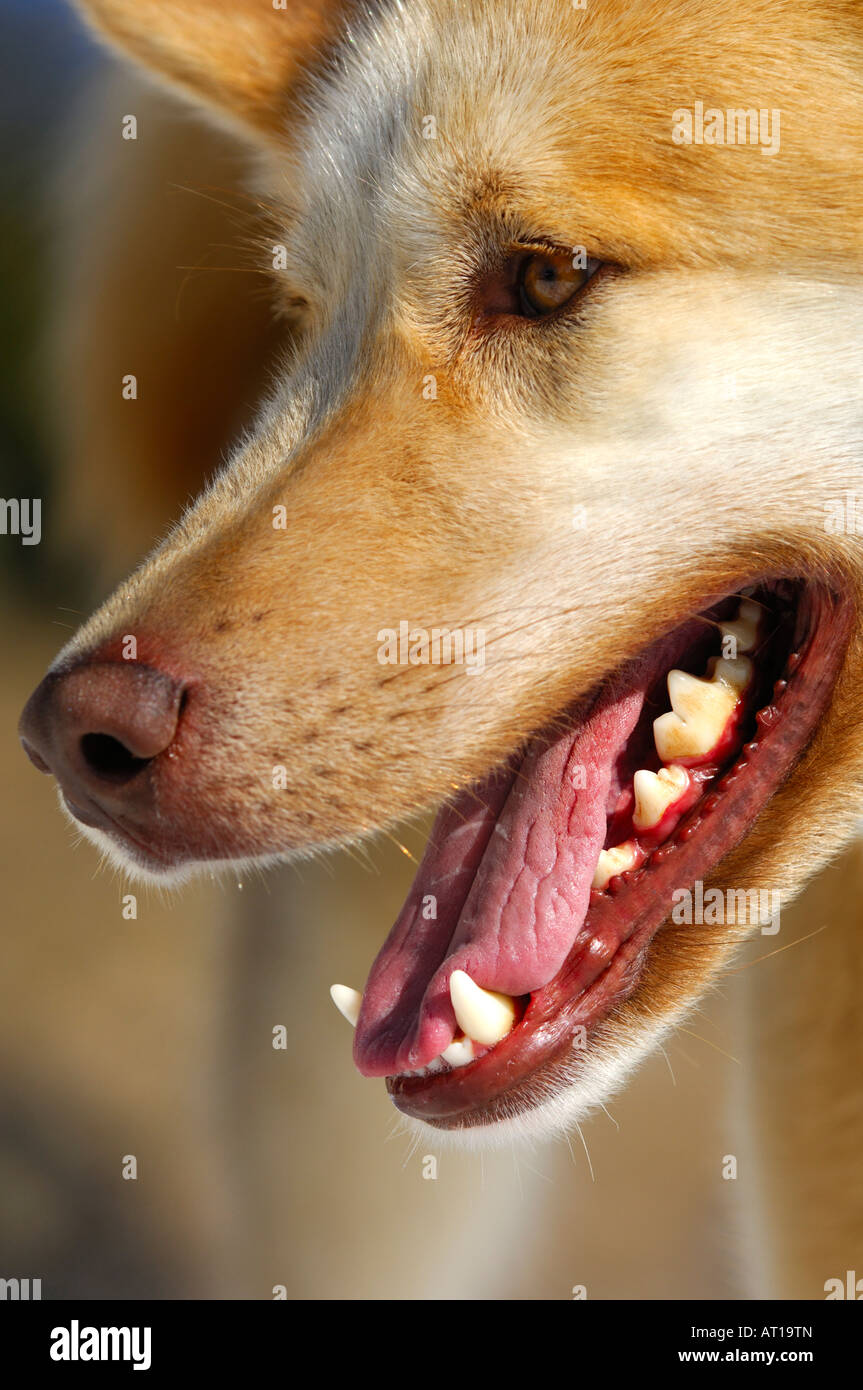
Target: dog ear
x=240, y=57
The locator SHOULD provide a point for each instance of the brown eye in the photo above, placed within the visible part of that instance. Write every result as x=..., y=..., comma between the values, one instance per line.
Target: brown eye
x=533, y=284
x=548, y=280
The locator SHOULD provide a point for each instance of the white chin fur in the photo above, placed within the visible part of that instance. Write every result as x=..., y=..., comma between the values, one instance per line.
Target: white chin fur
x=121, y=859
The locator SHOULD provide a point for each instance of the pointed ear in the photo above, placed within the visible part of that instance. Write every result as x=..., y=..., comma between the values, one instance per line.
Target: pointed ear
x=239, y=57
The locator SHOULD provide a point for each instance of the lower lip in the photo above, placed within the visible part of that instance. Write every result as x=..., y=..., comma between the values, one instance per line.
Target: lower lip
x=607, y=960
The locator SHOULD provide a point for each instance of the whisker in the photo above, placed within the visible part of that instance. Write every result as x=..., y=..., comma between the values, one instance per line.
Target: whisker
x=779, y=949
x=586, y=1150
x=714, y=1045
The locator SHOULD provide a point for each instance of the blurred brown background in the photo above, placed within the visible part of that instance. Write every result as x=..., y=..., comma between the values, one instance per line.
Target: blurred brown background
x=153, y=1037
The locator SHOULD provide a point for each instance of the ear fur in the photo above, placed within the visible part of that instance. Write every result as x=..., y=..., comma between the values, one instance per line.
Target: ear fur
x=241, y=58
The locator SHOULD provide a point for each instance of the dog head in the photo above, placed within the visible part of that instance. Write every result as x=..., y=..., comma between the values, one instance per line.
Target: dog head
x=572, y=403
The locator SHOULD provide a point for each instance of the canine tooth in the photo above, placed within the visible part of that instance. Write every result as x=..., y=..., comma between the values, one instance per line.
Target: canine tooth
x=459, y=1052
x=743, y=628
x=655, y=792
x=482, y=1014
x=614, y=861
x=347, y=1001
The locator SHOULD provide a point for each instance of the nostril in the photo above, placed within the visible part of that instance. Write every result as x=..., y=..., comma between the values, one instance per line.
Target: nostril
x=99, y=726
x=110, y=759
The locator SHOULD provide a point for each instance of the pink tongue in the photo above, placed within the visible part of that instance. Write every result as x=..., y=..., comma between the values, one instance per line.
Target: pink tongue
x=502, y=890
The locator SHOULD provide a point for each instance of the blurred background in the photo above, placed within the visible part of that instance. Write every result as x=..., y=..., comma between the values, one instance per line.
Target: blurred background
x=153, y=1037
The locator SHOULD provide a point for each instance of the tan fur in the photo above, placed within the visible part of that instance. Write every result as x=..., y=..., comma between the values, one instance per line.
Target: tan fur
x=459, y=511
x=156, y=309
x=241, y=57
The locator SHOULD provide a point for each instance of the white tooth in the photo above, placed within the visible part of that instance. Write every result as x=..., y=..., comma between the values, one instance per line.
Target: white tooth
x=614, y=861
x=434, y=1066
x=674, y=739
x=736, y=673
x=743, y=628
x=482, y=1014
x=459, y=1052
x=700, y=708
x=347, y=1001
x=697, y=697
x=654, y=793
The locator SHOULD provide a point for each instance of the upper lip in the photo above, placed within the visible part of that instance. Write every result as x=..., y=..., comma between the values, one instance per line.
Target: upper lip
x=98, y=818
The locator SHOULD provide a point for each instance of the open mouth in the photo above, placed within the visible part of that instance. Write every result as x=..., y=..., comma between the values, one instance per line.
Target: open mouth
x=540, y=891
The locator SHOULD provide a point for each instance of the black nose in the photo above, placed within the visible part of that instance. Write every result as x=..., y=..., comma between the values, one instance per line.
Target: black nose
x=97, y=727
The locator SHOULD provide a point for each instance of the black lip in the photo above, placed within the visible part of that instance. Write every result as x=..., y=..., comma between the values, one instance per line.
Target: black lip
x=145, y=855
